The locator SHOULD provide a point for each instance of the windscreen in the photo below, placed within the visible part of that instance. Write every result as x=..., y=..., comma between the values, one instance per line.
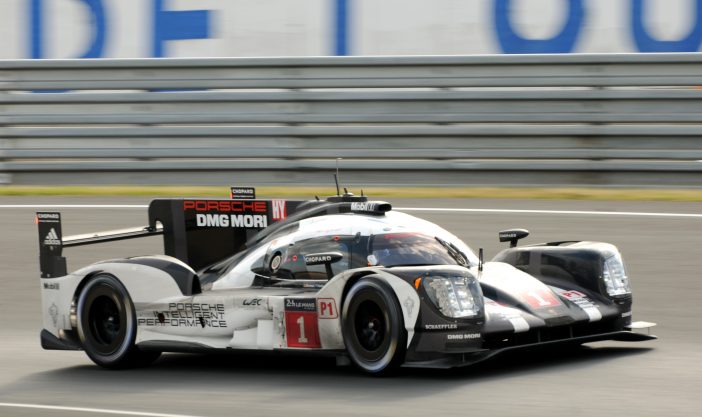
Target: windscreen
x=408, y=249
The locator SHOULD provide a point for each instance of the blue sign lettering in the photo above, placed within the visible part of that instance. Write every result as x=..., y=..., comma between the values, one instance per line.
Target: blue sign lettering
x=174, y=25
x=512, y=43
x=341, y=26
x=97, y=18
x=646, y=43
x=36, y=29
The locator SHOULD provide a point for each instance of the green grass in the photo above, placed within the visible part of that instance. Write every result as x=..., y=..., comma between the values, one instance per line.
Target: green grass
x=693, y=195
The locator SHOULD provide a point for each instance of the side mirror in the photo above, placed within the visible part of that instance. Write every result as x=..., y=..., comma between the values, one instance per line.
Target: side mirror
x=268, y=264
x=512, y=236
x=325, y=258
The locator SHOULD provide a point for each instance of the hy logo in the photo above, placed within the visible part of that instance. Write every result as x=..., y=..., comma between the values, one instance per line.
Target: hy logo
x=52, y=238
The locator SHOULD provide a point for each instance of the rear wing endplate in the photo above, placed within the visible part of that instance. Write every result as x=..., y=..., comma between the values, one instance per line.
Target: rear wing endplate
x=52, y=263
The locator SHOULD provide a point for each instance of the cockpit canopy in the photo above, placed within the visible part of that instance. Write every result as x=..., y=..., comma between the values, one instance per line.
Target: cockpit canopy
x=410, y=249
x=396, y=239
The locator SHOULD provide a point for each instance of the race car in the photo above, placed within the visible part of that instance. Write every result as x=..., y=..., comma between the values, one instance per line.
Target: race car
x=345, y=276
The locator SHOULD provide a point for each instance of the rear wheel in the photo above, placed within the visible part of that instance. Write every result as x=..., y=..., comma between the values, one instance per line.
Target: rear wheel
x=107, y=325
x=373, y=327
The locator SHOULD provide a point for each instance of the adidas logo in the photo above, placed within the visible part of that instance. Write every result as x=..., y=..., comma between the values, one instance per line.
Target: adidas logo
x=52, y=238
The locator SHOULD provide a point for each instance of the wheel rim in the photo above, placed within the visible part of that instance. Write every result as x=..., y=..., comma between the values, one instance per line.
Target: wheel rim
x=373, y=327
x=370, y=326
x=105, y=321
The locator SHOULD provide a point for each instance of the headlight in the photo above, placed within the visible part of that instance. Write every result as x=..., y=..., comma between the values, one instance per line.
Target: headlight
x=455, y=296
x=614, y=276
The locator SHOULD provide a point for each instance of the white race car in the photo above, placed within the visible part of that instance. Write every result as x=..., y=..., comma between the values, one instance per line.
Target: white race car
x=345, y=276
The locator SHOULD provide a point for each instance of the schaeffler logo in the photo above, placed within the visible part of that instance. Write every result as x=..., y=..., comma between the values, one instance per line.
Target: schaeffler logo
x=52, y=238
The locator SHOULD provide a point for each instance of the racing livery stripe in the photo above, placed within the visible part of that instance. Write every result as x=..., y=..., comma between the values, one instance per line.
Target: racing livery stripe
x=514, y=317
x=520, y=324
x=593, y=313
x=186, y=280
x=581, y=300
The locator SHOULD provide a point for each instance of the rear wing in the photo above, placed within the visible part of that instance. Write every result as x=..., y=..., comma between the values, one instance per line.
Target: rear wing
x=199, y=232
x=52, y=263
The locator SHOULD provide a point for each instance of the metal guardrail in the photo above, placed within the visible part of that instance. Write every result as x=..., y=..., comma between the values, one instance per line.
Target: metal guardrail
x=537, y=119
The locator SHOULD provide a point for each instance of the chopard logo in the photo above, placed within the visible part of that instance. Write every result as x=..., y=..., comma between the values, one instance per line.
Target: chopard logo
x=318, y=258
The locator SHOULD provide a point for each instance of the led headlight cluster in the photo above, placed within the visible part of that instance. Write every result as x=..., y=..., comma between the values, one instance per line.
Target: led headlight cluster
x=455, y=296
x=614, y=276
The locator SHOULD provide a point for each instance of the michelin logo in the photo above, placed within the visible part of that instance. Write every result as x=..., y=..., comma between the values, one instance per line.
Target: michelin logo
x=52, y=238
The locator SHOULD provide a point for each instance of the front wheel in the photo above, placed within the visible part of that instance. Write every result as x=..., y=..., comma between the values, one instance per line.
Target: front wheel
x=107, y=325
x=373, y=327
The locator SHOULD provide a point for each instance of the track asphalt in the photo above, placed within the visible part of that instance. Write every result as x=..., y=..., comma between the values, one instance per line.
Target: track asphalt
x=656, y=378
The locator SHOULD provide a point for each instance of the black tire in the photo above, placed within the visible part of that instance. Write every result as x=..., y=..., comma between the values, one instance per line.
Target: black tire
x=373, y=327
x=107, y=325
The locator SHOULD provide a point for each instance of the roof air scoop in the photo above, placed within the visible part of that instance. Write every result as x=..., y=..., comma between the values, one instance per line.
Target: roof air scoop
x=512, y=236
x=371, y=207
